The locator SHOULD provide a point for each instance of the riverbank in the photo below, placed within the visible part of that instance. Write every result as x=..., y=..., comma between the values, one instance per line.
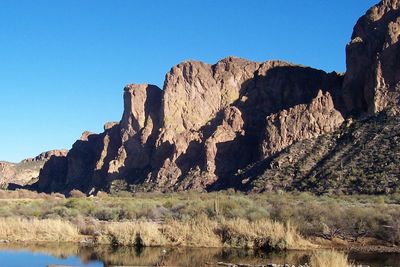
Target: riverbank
x=276, y=221
x=202, y=232
x=261, y=235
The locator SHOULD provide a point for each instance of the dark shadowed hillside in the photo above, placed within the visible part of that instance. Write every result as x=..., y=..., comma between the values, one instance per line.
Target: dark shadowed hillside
x=360, y=157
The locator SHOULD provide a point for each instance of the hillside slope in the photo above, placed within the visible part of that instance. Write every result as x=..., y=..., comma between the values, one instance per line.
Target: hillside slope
x=360, y=157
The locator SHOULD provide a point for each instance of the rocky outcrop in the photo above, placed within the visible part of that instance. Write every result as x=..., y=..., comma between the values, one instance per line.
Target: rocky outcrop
x=45, y=156
x=27, y=170
x=189, y=135
x=195, y=92
x=305, y=121
x=211, y=121
x=372, y=81
x=7, y=172
x=86, y=165
x=139, y=128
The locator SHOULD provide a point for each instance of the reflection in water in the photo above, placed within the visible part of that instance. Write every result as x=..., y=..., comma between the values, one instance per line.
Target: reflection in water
x=192, y=257
x=130, y=256
x=377, y=259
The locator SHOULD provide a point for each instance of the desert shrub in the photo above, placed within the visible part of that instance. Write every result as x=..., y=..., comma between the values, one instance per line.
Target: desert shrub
x=191, y=208
x=395, y=198
x=76, y=194
x=168, y=204
x=5, y=211
x=380, y=200
x=57, y=195
x=82, y=204
x=122, y=194
x=394, y=230
x=101, y=194
x=124, y=214
x=388, y=227
x=281, y=212
x=62, y=212
x=30, y=209
x=106, y=214
x=256, y=213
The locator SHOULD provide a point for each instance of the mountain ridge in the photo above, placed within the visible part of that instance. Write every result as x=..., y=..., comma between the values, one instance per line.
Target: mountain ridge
x=210, y=121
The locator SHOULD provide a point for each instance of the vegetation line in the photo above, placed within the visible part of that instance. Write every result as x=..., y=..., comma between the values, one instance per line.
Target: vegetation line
x=202, y=232
x=231, y=219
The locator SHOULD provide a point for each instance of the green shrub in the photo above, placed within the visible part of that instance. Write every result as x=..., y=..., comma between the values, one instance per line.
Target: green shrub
x=106, y=214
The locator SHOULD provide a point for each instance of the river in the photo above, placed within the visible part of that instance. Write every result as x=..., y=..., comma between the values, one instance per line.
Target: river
x=18, y=255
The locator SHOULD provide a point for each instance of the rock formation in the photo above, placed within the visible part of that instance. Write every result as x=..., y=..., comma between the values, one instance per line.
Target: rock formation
x=7, y=172
x=45, y=156
x=190, y=134
x=361, y=157
x=373, y=60
x=211, y=121
x=27, y=170
x=299, y=123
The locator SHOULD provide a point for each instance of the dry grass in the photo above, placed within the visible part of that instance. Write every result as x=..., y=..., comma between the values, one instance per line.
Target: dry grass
x=351, y=216
x=201, y=232
x=264, y=234
x=34, y=230
x=194, y=233
x=131, y=234
x=329, y=258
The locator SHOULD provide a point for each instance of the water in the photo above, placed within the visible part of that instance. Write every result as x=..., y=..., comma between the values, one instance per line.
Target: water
x=16, y=255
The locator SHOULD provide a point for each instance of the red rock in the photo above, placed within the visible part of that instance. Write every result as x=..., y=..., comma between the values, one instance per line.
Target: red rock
x=373, y=64
x=211, y=121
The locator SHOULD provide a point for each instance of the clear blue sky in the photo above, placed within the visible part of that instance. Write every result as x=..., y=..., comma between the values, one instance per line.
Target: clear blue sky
x=64, y=63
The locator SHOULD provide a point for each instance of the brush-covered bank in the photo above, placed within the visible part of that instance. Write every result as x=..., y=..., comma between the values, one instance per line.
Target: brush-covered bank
x=275, y=221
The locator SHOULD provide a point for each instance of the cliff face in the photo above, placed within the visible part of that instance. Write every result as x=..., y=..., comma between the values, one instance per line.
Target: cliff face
x=304, y=121
x=373, y=60
x=207, y=122
x=211, y=121
x=27, y=170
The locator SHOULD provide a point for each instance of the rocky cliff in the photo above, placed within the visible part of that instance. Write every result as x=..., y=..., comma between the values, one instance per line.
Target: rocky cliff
x=373, y=60
x=27, y=170
x=209, y=122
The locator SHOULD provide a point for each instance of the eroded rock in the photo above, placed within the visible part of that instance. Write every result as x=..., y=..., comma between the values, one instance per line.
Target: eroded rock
x=305, y=121
x=373, y=60
x=211, y=121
